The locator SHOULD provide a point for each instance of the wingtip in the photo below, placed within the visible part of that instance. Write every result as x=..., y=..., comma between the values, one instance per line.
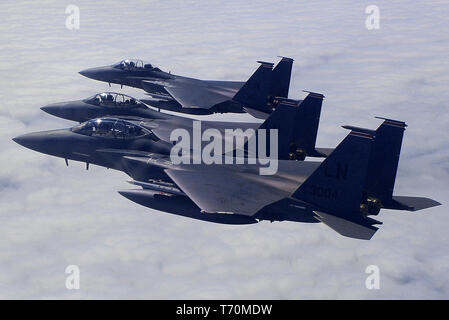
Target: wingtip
x=314, y=94
x=286, y=58
x=266, y=64
x=393, y=122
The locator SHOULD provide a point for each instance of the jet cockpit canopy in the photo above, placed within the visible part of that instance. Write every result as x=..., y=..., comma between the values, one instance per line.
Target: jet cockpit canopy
x=113, y=99
x=134, y=64
x=112, y=128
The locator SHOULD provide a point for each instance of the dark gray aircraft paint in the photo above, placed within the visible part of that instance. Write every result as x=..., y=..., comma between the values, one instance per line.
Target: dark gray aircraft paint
x=127, y=145
x=297, y=122
x=101, y=142
x=104, y=141
x=355, y=181
x=181, y=206
x=190, y=95
x=101, y=105
x=253, y=95
x=340, y=191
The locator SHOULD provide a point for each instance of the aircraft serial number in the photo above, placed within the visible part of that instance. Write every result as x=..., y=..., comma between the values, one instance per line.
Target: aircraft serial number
x=321, y=192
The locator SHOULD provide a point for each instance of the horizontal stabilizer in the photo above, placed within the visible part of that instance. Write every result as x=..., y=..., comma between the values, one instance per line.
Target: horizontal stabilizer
x=347, y=228
x=229, y=188
x=411, y=203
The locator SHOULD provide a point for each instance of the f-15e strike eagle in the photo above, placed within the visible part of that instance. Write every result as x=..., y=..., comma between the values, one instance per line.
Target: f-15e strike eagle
x=353, y=182
x=190, y=95
x=106, y=140
x=252, y=96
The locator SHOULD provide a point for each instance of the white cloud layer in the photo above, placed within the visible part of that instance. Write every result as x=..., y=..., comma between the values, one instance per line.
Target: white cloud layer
x=52, y=216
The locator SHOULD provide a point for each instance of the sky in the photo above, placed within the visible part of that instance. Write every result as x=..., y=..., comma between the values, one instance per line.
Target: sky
x=53, y=216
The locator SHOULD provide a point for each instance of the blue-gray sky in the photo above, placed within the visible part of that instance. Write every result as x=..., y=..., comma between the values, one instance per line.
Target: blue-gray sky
x=52, y=216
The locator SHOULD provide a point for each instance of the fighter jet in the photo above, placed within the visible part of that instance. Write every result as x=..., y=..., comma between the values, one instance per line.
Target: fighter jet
x=102, y=105
x=95, y=141
x=355, y=181
x=105, y=141
x=189, y=95
x=253, y=94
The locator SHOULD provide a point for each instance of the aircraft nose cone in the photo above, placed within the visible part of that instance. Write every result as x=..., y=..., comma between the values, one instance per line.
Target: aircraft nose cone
x=29, y=140
x=86, y=72
x=54, y=142
x=98, y=73
x=18, y=140
x=53, y=109
x=71, y=110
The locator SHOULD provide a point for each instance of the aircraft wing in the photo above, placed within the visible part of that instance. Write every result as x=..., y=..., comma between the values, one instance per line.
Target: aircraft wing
x=159, y=96
x=226, y=189
x=193, y=93
x=230, y=85
x=198, y=96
